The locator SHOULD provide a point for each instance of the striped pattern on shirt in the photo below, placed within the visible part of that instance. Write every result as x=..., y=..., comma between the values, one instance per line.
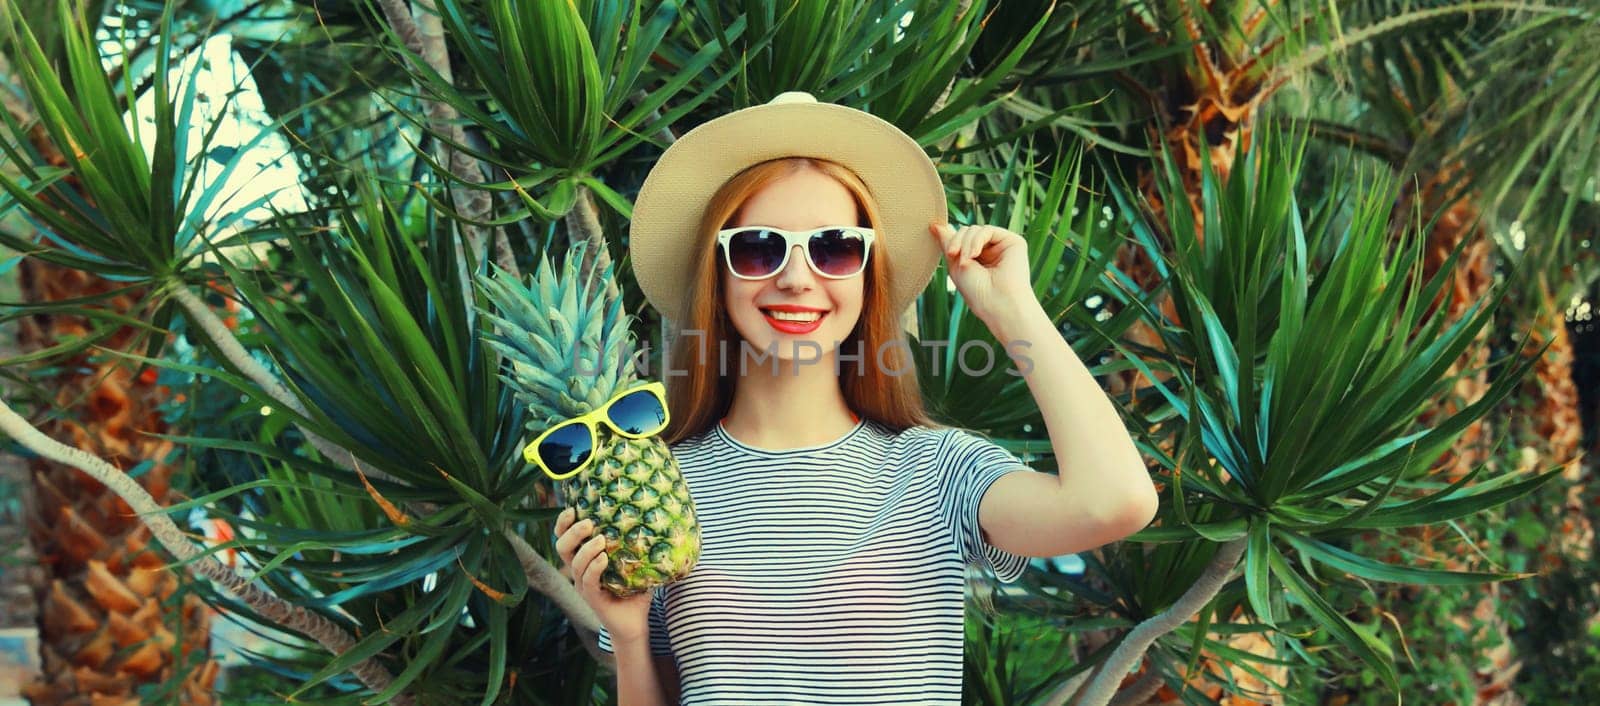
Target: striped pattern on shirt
x=830, y=574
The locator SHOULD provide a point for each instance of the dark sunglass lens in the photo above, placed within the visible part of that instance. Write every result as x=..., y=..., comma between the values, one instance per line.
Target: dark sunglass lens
x=566, y=448
x=838, y=252
x=639, y=413
x=755, y=252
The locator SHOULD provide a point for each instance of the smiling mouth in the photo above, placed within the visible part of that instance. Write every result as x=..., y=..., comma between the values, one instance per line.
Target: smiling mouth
x=798, y=317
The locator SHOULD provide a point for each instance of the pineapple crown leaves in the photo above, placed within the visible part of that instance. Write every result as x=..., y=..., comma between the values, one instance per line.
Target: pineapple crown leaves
x=562, y=336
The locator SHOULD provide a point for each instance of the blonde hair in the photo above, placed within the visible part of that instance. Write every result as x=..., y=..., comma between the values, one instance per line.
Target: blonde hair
x=701, y=397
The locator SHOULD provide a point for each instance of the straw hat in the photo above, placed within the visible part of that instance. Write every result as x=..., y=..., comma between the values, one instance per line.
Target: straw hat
x=894, y=167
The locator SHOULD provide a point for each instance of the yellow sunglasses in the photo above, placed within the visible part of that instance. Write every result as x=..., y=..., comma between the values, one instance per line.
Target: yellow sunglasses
x=567, y=448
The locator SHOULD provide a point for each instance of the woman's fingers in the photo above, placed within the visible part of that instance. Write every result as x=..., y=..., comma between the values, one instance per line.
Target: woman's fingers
x=966, y=245
x=974, y=244
x=582, y=550
x=563, y=523
x=963, y=245
x=946, y=236
x=570, y=540
x=591, y=575
x=587, y=553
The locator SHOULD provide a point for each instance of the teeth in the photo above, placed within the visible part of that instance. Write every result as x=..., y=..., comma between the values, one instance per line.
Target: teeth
x=803, y=317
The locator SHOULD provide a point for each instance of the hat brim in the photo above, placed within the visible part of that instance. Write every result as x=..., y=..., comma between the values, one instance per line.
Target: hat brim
x=894, y=167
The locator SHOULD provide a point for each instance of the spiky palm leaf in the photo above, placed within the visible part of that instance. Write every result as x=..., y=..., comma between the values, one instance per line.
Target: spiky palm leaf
x=1422, y=97
x=111, y=620
x=107, y=208
x=1315, y=438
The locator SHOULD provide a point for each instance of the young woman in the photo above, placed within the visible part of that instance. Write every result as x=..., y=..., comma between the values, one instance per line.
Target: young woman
x=786, y=242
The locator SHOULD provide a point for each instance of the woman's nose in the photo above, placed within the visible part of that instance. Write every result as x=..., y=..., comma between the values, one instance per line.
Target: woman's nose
x=797, y=272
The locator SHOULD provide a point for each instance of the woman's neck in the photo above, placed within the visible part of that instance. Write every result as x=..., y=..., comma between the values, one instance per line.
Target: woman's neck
x=799, y=405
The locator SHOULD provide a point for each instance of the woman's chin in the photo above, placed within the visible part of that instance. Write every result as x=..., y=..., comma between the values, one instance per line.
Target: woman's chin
x=804, y=348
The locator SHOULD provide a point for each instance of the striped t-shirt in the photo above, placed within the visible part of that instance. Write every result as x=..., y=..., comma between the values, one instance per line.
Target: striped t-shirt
x=830, y=574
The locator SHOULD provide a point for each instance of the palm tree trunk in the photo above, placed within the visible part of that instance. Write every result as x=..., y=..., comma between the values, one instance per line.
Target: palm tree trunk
x=1554, y=430
x=1458, y=221
x=111, y=618
x=423, y=35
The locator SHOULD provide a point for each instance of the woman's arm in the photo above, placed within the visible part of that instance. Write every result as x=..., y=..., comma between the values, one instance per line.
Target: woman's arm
x=1103, y=491
x=638, y=681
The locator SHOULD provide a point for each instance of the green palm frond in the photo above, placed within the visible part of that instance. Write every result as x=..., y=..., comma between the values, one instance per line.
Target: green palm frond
x=561, y=88
x=1489, y=97
x=116, y=206
x=893, y=58
x=1535, y=157
x=828, y=49
x=382, y=345
x=1314, y=431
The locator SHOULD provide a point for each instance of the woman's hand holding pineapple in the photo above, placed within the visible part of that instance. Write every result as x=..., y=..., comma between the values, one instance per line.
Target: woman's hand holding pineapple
x=583, y=559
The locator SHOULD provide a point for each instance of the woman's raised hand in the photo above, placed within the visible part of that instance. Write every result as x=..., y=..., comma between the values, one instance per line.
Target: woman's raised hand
x=989, y=266
x=583, y=559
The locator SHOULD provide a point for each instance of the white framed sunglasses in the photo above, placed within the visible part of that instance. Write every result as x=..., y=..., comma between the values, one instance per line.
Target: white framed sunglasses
x=759, y=252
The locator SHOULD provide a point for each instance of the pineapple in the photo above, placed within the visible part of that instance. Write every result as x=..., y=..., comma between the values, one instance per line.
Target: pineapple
x=563, y=337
